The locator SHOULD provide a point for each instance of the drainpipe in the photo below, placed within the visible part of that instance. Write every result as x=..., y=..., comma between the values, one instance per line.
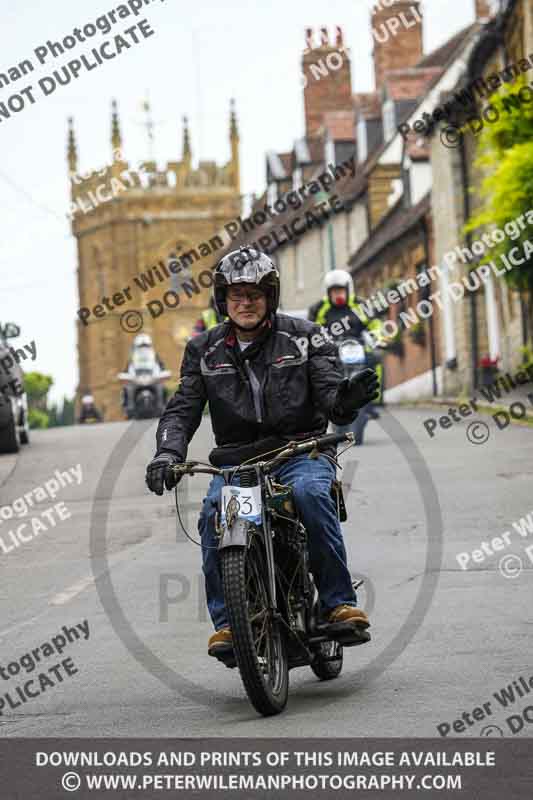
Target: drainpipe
x=432, y=348
x=473, y=295
x=323, y=197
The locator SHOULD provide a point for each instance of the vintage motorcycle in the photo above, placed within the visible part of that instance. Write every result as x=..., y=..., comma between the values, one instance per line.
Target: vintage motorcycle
x=271, y=599
x=144, y=394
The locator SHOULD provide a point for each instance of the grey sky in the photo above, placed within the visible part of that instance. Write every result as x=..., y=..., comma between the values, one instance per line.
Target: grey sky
x=250, y=51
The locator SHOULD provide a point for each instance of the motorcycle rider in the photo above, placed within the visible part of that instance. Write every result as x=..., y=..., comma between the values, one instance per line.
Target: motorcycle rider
x=88, y=408
x=142, y=352
x=210, y=317
x=340, y=305
x=268, y=379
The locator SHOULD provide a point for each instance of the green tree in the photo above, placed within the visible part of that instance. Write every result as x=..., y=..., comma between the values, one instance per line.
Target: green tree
x=67, y=412
x=37, y=387
x=506, y=157
x=37, y=418
x=63, y=415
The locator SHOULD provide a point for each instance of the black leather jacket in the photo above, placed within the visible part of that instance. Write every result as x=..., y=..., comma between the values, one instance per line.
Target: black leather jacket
x=283, y=386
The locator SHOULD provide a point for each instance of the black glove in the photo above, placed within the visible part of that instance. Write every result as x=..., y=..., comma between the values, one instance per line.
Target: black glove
x=357, y=391
x=157, y=473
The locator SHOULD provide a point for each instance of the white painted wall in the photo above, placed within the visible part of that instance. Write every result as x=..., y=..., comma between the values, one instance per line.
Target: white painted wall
x=414, y=389
x=421, y=179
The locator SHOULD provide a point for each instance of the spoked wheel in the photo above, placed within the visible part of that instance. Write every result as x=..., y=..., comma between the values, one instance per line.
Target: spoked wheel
x=259, y=645
x=328, y=662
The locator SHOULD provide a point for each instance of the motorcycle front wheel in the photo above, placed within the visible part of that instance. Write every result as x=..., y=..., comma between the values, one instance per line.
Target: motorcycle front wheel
x=258, y=642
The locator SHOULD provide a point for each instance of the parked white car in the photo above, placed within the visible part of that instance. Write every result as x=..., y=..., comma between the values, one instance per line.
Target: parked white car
x=14, y=426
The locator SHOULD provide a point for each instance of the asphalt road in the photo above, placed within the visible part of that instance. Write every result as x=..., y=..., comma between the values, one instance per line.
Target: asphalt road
x=444, y=638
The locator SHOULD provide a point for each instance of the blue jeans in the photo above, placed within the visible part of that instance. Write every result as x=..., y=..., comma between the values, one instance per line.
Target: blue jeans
x=311, y=483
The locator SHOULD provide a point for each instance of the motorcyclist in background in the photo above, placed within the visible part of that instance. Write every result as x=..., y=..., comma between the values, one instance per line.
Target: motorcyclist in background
x=142, y=356
x=88, y=410
x=209, y=319
x=268, y=379
x=340, y=305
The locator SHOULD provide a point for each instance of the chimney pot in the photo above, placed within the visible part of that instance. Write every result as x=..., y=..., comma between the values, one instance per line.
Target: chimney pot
x=324, y=37
x=309, y=38
x=485, y=9
x=401, y=49
x=339, y=37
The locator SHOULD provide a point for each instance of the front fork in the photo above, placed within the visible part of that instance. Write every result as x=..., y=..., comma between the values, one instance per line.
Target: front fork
x=269, y=551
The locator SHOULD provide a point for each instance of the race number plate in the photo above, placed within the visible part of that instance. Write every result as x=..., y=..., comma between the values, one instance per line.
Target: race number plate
x=243, y=503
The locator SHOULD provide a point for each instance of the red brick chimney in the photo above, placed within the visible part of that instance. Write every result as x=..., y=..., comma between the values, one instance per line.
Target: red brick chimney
x=484, y=10
x=327, y=77
x=397, y=34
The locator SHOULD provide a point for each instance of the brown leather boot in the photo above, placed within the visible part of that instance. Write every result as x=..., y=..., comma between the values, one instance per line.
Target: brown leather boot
x=346, y=613
x=348, y=625
x=220, y=643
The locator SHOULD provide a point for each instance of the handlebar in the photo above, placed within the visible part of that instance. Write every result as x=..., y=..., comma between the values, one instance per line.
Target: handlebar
x=292, y=449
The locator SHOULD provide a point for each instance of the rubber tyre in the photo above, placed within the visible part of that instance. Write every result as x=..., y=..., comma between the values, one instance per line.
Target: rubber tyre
x=25, y=430
x=267, y=700
x=9, y=437
x=328, y=670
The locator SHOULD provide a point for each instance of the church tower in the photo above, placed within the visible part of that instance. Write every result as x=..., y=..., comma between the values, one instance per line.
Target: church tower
x=136, y=226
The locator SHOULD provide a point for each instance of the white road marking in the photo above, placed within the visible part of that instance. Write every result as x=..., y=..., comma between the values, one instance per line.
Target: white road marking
x=76, y=588
x=21, y=624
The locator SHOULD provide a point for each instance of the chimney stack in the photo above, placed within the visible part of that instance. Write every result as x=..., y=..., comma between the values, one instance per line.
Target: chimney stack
x=327, y=77
x=485, y=9
x=398, y=36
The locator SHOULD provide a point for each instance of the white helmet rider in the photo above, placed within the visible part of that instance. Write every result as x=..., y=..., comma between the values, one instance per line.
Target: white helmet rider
x=341, y=279
x=142, y=340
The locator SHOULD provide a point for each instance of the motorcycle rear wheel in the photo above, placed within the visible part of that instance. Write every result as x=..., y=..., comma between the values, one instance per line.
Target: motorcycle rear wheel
x=258, y=642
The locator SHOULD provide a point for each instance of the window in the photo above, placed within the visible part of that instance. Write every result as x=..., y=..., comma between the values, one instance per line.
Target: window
x=297, y=178
x=299, y=267
x=389, y=120
x=272, y=193
x=329, y=151
x=362, y=140
x=423, y=290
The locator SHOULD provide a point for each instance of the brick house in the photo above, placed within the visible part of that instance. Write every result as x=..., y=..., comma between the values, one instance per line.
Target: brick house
x=404, y=208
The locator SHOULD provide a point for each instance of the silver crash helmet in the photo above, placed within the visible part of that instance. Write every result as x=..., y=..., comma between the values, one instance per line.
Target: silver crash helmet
x=248, y=266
